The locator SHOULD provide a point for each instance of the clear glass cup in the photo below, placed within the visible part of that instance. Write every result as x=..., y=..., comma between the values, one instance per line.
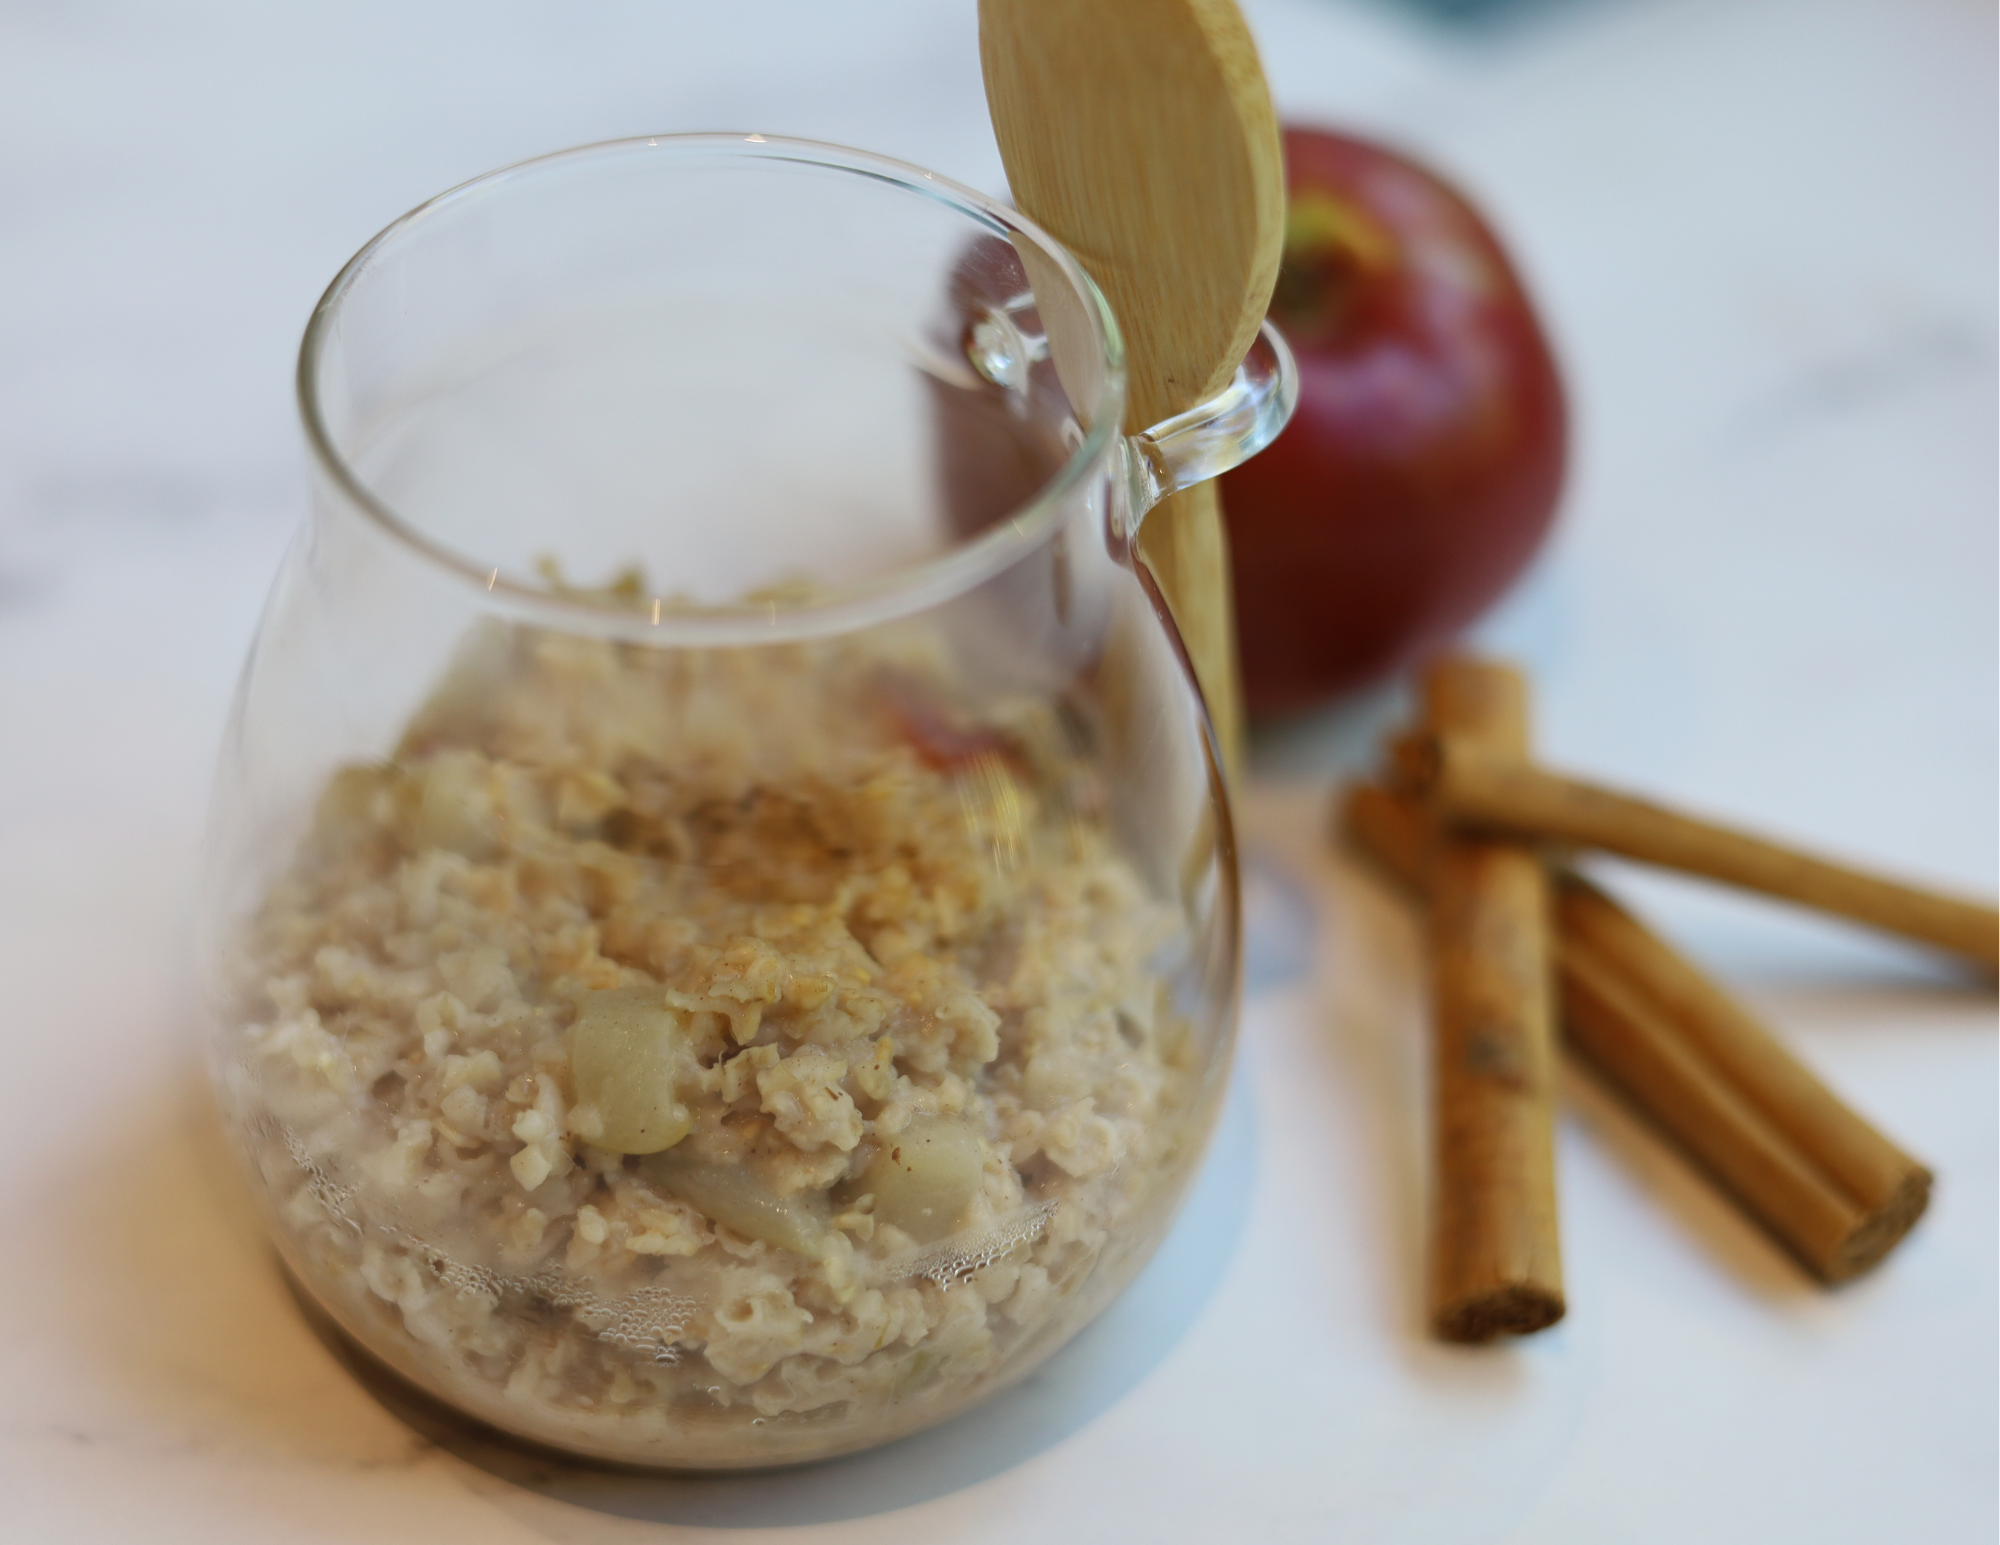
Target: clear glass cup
x=723, y=918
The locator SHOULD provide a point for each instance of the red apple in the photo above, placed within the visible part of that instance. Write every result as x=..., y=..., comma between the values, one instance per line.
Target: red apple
x=1423, y=465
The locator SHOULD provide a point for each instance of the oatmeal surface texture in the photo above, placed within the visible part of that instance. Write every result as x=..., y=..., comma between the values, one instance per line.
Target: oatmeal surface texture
x=712, y=1054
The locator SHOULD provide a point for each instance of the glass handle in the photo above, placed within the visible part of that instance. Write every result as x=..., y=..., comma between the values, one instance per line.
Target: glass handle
x=1213, y=436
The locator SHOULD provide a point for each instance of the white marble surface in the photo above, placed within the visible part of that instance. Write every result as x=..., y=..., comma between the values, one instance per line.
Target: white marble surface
x=1764, y=233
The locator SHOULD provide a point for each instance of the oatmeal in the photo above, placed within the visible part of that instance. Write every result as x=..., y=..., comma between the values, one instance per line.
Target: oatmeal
x=713, y=1057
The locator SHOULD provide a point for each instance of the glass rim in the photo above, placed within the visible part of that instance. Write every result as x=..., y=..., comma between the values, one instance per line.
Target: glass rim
x=863, y=603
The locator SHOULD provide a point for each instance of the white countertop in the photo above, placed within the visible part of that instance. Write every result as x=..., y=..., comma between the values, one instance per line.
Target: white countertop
x=1764, y=233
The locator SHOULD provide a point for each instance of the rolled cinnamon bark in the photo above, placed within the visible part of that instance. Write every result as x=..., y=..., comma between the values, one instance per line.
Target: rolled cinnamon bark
x=1496, y=1267
x=1828, y=1186
x=1883, y=1190
x=1391, y=831
x=1472, y=786
x=1626, y=1037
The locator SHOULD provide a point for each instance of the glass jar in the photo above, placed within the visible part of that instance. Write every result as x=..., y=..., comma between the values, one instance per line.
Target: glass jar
x=723, y=921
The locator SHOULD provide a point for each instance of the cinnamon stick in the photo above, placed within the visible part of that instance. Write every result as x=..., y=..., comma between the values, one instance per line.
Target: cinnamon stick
x=1392, y=831
x=1866, y=1165
x=1471, y=785
x=1495, y=1264
x=1815, y=1174
x=1833, y=1190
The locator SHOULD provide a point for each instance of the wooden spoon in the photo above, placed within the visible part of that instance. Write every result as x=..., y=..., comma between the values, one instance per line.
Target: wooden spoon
x=1139, y=133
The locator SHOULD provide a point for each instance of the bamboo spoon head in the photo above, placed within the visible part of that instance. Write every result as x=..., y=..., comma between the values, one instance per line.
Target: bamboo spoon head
x=1140, y=134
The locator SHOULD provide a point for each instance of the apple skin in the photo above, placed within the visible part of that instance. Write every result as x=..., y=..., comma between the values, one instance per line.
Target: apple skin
x=1423, y=465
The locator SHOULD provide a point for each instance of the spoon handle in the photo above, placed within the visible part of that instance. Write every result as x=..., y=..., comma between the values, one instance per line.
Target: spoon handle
x=1186, y=547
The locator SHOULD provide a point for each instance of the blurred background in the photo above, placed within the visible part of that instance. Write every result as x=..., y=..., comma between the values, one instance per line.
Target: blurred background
x=1763, y=234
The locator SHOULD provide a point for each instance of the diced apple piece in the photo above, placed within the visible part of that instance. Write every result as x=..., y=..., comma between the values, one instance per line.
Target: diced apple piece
x=734, y=1196
x=630, y=1057
x=456, y=811
x=925, y=1177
